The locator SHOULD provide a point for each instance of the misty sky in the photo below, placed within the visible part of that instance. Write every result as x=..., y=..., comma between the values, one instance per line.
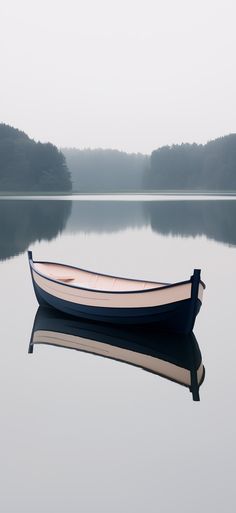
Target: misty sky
x=128, y=75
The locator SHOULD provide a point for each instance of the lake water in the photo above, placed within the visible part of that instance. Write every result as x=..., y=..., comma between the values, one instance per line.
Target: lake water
x=81, y=433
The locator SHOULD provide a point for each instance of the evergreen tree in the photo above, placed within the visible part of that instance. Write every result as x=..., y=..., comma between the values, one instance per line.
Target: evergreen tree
x=29, y=166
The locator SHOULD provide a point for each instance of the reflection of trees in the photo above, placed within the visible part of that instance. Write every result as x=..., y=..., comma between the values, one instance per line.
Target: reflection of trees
x=215, y=219
x=106, y=216
x=24, y=222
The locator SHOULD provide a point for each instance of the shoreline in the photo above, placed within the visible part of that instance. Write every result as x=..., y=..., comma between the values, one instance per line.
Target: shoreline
x=124, y=196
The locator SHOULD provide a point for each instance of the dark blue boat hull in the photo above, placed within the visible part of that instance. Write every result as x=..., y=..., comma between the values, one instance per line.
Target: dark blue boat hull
x=178, y=316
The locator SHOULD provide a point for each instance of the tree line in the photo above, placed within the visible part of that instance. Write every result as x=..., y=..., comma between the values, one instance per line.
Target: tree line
x=190, y=167
x=105, y=170
x=209, y=167
x=26, y=165
x=29, y=166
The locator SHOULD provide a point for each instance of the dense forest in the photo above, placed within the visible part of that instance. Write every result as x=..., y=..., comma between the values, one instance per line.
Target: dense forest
x=105, y=170
x=29, y=166
x=209, y=167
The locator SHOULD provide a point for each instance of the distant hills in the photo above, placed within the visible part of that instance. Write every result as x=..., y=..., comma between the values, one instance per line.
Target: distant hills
x=189, y=167
x=29, y=166
x=105, y=170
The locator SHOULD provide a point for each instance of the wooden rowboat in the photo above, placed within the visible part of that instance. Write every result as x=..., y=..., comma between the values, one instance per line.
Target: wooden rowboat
x=117, y=300
x=175, y=357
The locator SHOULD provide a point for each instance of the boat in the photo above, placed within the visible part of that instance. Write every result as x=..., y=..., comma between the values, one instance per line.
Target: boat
x=172, y=356
x=112, y=299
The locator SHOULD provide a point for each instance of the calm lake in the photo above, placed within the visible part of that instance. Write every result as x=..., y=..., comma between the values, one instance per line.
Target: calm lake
x=82, y=433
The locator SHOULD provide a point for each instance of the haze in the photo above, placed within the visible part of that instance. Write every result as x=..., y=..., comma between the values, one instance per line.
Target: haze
x=128, y=75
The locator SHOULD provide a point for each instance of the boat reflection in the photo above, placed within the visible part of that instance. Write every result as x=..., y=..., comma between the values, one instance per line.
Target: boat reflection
x=171, y=356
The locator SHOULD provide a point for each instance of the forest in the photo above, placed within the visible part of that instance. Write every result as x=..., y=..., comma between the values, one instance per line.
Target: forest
x=209, y=167
x=29, y=166
x=105, y=170
x=189, y=167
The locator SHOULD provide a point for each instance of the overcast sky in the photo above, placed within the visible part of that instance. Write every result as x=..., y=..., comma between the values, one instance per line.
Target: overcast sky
x=129, y=75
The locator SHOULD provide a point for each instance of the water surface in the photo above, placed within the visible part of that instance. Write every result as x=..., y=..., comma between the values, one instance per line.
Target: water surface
x=84, y=433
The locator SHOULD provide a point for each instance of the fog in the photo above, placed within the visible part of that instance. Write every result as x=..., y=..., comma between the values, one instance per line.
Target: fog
x=129, y=75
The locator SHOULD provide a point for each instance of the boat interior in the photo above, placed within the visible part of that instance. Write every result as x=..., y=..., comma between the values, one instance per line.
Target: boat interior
x=86, y=279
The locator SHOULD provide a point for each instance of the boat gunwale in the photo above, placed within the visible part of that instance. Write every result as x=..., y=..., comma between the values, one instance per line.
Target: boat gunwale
x=165, y=286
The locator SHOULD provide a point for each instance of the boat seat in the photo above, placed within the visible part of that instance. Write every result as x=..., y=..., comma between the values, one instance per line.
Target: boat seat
x=60, y=278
